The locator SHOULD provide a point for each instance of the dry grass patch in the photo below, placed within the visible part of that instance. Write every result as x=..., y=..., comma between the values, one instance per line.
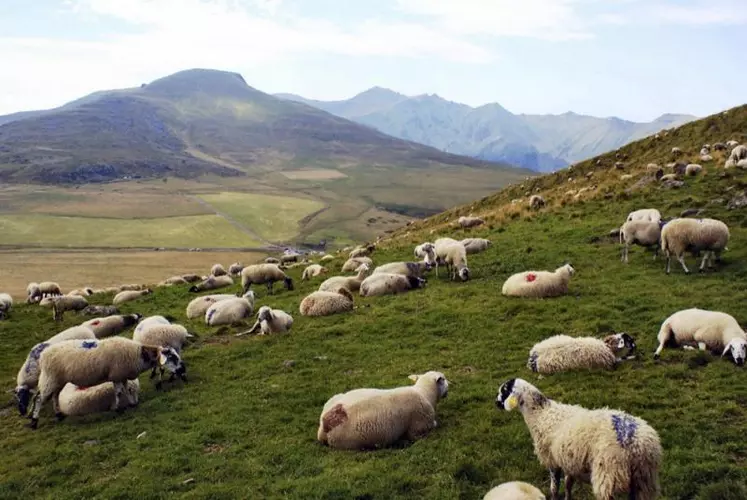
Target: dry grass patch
x=321, y=174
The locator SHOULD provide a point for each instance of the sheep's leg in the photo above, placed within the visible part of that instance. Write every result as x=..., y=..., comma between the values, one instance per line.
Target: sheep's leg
x=159, y=384
x=269, y=287
x=250, y=331
x=568, y=487
x=656, y=252
x=681, y=258
x=41, y=397
x=624, y=256
x=706, y=255
x=56, y=406
x=153, y=372
x=669, y=259
x=554, y=483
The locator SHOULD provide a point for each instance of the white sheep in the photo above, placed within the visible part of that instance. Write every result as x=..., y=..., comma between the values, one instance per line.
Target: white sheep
x=469, y=221
x=146, y=323
x=78, y=401
x=218, y=270
x=230, y=311
x=640, y=232
x=173, y=280
x=130, y=295
x=264, y=274
x=645, y=214
x=327, y=258
x=65, y=303
x=389, y=284
x=235, y=268
x=327, y=303
x=426, y=251
x=707, y=330
x=373, y=418
x=352, y=283
x=676, y=151
x=453, y=255
x=33, y=293
x=313, y=271
x=198, y=307
x=131, y=287
x=81, y=292
x=99, y=310
x=404, y=268
x=561, y=353
x=515, y=490
x=6, y=304
x=92, y=362
x=536, y=202
x=354, y=263
x=270, y=321
x=539, y=284
x=49, y=289
x=616, y=452
x=693, y=169
x=476, y=245
x=738, y=153
x=112, y=325
x=694, y=235
x=212, y=283
x=362, y=251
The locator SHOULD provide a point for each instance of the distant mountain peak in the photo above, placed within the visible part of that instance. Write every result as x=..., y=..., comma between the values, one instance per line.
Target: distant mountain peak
x=199, y=80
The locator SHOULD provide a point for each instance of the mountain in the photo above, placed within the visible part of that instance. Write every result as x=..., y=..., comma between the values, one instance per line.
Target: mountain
x=490, y=132
x=199, y=122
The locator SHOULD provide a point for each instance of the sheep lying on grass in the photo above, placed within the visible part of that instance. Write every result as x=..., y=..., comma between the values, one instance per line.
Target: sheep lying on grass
x=616, y=452
x=468, y=222
x=130, y=295
x=561, y=353
x=539, y=284
x=264, y=274
x=270, y=321
x=515, y=490
x=475, y=245
x=198, y=307
x=230, y=311
x=146, y=323
x=352, y=283
x=78, y=401
x=694, y=235
x=389, y=284
x=313, y=271
x=362, y=251
x=373, y=418
x=355, y=263
x=715, y=331
x=212, y=283
x=98, y=310
x=417, y=269
x=112, y=325
x=327, y=303
x=218, y=270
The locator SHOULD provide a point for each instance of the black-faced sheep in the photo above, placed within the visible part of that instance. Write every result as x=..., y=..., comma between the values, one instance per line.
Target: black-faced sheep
x=270, y=321
x=389, y=284
x=561, y=353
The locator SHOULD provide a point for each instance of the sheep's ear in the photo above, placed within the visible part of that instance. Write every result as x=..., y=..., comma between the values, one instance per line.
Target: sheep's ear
x=414, y=377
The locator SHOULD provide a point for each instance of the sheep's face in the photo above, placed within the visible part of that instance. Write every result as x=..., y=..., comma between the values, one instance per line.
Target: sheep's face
x=464, y=274
x=570, y=269
x=265, y=314
x=23, y=396
x=437, y=378
x=511, y=394
x=621, y=342
x=738, y=350
x=170, y=360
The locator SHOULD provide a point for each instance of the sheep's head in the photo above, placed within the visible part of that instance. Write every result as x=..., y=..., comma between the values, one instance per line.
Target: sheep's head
x=288, y=283
x=738, y=350
x=569, y=269
x=416, y=282
x=620, y=342
x=264, y=314
x=169, y=359
x=23, y=396
x=516, y=393
x=249, y=295
x=464, y=274
x=432, y=379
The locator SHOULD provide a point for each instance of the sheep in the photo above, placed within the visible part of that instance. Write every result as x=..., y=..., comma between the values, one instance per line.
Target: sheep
x=614, y=451
x=289, y=257
x=475, y=245
x=732, y=144
x=676, y=151
x=146, y=323
x=738, y=153
x=327, y=303
x=362, y=251
x=354, y=263
x=708, y=330
x=668, y=178
x=426, y=251
x=468, y=222
x=352, y=283
x=327, y=258
x=705, y=151
x=404, y=268
x=112, y=325
x=130, y=295
x=212, y=283
x=452, y=253
x=515, y=490
x=28, y=376
x=81, y=292
x=264, y=273
x=235, y=268
x=174, y=280
x=218, y=270
x=539, y=284
x=706, y=158
x=92, y=362
x=561, y=353
x=681, y=235
x=230, y=311
x=272, y=260
x=78, y=401
x=313, y=271
x=375, y=418
x=191, y=278
x=199, y=306
x=388, y=284
x=33, y=293
x=693, y=169
x=640, y=232
x=67, y=303
x=49, y=289
x=536, y=202
x=97, y=310
x=270, y=321
x=719, y=146
x=6, y=303
x=646, y=214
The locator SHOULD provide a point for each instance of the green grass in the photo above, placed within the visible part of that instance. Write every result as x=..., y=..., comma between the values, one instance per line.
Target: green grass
x=275, y=218
x=57, y=231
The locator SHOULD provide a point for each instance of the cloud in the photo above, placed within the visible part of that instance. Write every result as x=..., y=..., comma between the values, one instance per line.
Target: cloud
x=714, y=12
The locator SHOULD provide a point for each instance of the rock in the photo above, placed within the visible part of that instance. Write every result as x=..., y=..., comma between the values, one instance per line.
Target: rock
x=689, y=212
x=673, y=184
x=738, y=201
x=289, y=363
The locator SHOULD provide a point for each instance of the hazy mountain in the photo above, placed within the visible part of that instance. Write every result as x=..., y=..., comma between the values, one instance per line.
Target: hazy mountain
x=490, y=132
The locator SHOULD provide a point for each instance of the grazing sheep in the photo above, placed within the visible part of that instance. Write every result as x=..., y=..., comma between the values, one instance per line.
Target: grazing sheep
x=693, y=169
x=453, y=255
x=235, y=268
x=707, y=330
x=515, y=490
x=230, y=311
x=267, y=274
x=33, y=293
x=536, y=202
x=191, y=278
x=313, y=271
x=174, y=280
x=352, y=283
x=6, y=304
x=65, y=303
x=475, y=245
x=539, y=284
x=375, y=418
x=199, y=306
x=694, y=235
x=112, y=325
x=218, y=270
x=467, y=222
x=616, y=452
x=212, y=283
x=79, y=401
x=49, y=289
x=404, y=268
x=270, y=321
x=272, y=260
x=28, y=375
x=130, y=295
x=645, y=214
x=353, y=264
x=164, y=335
x=640, y=232
x=389, y=284
x=148, y=322
x=327, y=303
x=561, y=353
x=362, y=251
x=91, y=362
x=96, y=310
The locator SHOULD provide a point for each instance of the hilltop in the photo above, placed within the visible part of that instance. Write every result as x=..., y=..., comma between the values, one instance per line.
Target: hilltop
x=491, y=132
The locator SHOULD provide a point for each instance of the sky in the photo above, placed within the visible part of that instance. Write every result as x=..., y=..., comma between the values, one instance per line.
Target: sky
x=634, y=59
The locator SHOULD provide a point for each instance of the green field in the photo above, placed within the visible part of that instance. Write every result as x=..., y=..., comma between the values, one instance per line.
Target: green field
x=57, y=231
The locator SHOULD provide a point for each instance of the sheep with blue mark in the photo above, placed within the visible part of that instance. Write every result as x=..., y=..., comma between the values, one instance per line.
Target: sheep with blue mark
x=561, y=353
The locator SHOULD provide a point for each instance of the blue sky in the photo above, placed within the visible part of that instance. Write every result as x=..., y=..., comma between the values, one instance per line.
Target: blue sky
x=635, y=59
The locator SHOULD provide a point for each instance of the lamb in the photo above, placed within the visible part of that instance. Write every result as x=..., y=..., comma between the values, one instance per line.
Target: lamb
x=451, y=253
x=270, y=321
x=354, y=263
x=313, y=271
x=264, y=273
x=561, y=353
x=645, y=214
x=539, y=284
x=404, y=268
x=362, y=251
x=515, y=490
x=693, y=169
x=352, y=283
x=475, y=245
x=78, y=401
x=468, y=222
x=49, y=289
x=614, y=451
x=28, y=375
x=230, y=311
x=6, y=303
x=375, y=418
x=67, y=303
x=694, y=235
x=536, y=202
x=388, y=284
x=640, y=232
x=33, y=293
x=327, y=303
x=199, y=306
x=112, y=325
x=91, y=362
x=708, y=330
x=130, y=295
x=96, y=310
x=212, y=283
x=218, y=270
x=235, y=268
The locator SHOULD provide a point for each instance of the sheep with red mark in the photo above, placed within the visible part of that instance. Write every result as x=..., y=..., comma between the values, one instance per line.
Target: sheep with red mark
x=539, y=284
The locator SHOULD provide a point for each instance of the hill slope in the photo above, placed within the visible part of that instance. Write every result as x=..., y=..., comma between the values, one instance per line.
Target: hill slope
x=490, y=132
